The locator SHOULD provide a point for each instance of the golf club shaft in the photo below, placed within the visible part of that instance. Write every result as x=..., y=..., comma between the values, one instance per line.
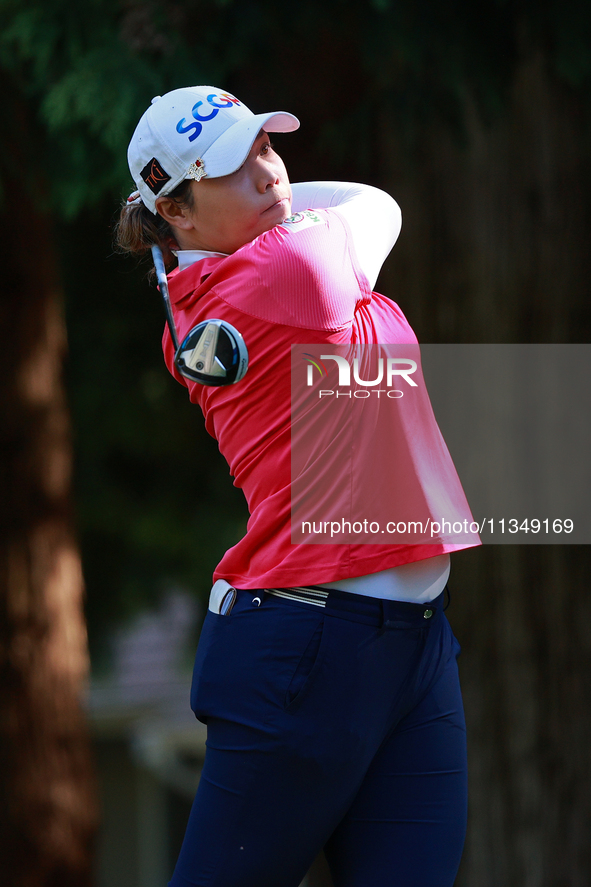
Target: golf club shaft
x=163, y=284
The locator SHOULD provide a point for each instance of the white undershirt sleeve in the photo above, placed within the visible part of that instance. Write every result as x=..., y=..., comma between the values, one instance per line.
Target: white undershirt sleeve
x=374, y=218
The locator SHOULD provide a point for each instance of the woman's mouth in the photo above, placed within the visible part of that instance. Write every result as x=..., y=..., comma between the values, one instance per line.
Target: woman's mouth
x=283, y=201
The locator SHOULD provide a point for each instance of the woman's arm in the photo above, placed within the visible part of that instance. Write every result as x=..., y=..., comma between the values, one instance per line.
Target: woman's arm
x=374, y=217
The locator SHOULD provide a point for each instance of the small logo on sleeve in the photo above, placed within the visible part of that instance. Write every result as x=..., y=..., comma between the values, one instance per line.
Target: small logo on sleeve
x=296, y=218
x=299, y=221
x=154, y=176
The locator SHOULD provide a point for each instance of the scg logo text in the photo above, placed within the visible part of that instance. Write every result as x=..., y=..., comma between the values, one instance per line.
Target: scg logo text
x=196, y=127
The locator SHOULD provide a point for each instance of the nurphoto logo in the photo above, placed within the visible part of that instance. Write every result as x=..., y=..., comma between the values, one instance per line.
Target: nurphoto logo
x=396, y=368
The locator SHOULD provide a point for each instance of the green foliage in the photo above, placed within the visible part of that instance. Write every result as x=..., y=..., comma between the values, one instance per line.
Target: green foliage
x=86, y=71
x=571, y=29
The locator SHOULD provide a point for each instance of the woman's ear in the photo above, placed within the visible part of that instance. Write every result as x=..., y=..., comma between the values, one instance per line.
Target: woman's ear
x=176, y=216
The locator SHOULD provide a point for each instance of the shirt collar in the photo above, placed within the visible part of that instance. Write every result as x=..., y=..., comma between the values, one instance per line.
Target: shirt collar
x=188, y=257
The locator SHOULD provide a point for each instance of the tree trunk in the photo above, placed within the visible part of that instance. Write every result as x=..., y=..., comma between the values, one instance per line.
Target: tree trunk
x=47, y=801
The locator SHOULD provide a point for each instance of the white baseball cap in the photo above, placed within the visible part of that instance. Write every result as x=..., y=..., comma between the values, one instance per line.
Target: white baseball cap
x=195, y=132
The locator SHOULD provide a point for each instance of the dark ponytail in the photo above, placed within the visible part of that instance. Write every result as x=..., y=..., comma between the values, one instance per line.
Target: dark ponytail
x=138, y=229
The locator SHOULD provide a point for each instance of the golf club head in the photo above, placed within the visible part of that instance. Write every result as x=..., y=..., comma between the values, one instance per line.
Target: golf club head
x=212, y=353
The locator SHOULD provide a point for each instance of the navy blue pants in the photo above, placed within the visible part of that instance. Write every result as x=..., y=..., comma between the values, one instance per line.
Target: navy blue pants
x=339, y=728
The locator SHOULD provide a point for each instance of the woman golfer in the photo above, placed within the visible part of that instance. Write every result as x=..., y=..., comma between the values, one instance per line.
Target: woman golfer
x=326, y=673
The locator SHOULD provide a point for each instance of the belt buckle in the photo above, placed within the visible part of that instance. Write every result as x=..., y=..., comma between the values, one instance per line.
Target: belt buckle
x=222, y=597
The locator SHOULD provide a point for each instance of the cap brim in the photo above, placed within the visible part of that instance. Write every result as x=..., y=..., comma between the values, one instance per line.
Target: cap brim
x=230, y=150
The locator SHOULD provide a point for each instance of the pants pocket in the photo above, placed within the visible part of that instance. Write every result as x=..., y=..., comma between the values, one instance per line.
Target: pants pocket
x=209, y=631
x=306, y=669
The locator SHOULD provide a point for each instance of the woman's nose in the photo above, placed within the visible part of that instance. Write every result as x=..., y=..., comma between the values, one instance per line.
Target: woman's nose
x=268, y=178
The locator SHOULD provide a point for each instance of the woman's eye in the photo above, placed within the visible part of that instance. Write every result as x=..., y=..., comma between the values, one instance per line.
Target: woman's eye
x=266, y=147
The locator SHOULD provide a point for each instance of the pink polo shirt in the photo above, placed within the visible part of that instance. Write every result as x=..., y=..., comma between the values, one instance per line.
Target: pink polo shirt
x=298, y=283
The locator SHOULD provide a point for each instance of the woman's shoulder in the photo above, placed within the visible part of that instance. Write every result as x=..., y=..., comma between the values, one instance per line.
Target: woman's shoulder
x=309, y=243
x=299, y=273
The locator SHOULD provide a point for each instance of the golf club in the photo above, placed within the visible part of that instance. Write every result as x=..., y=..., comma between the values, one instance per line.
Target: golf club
x=213, y=352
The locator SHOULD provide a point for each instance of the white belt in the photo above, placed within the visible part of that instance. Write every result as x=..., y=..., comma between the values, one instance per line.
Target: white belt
x=418, y=582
